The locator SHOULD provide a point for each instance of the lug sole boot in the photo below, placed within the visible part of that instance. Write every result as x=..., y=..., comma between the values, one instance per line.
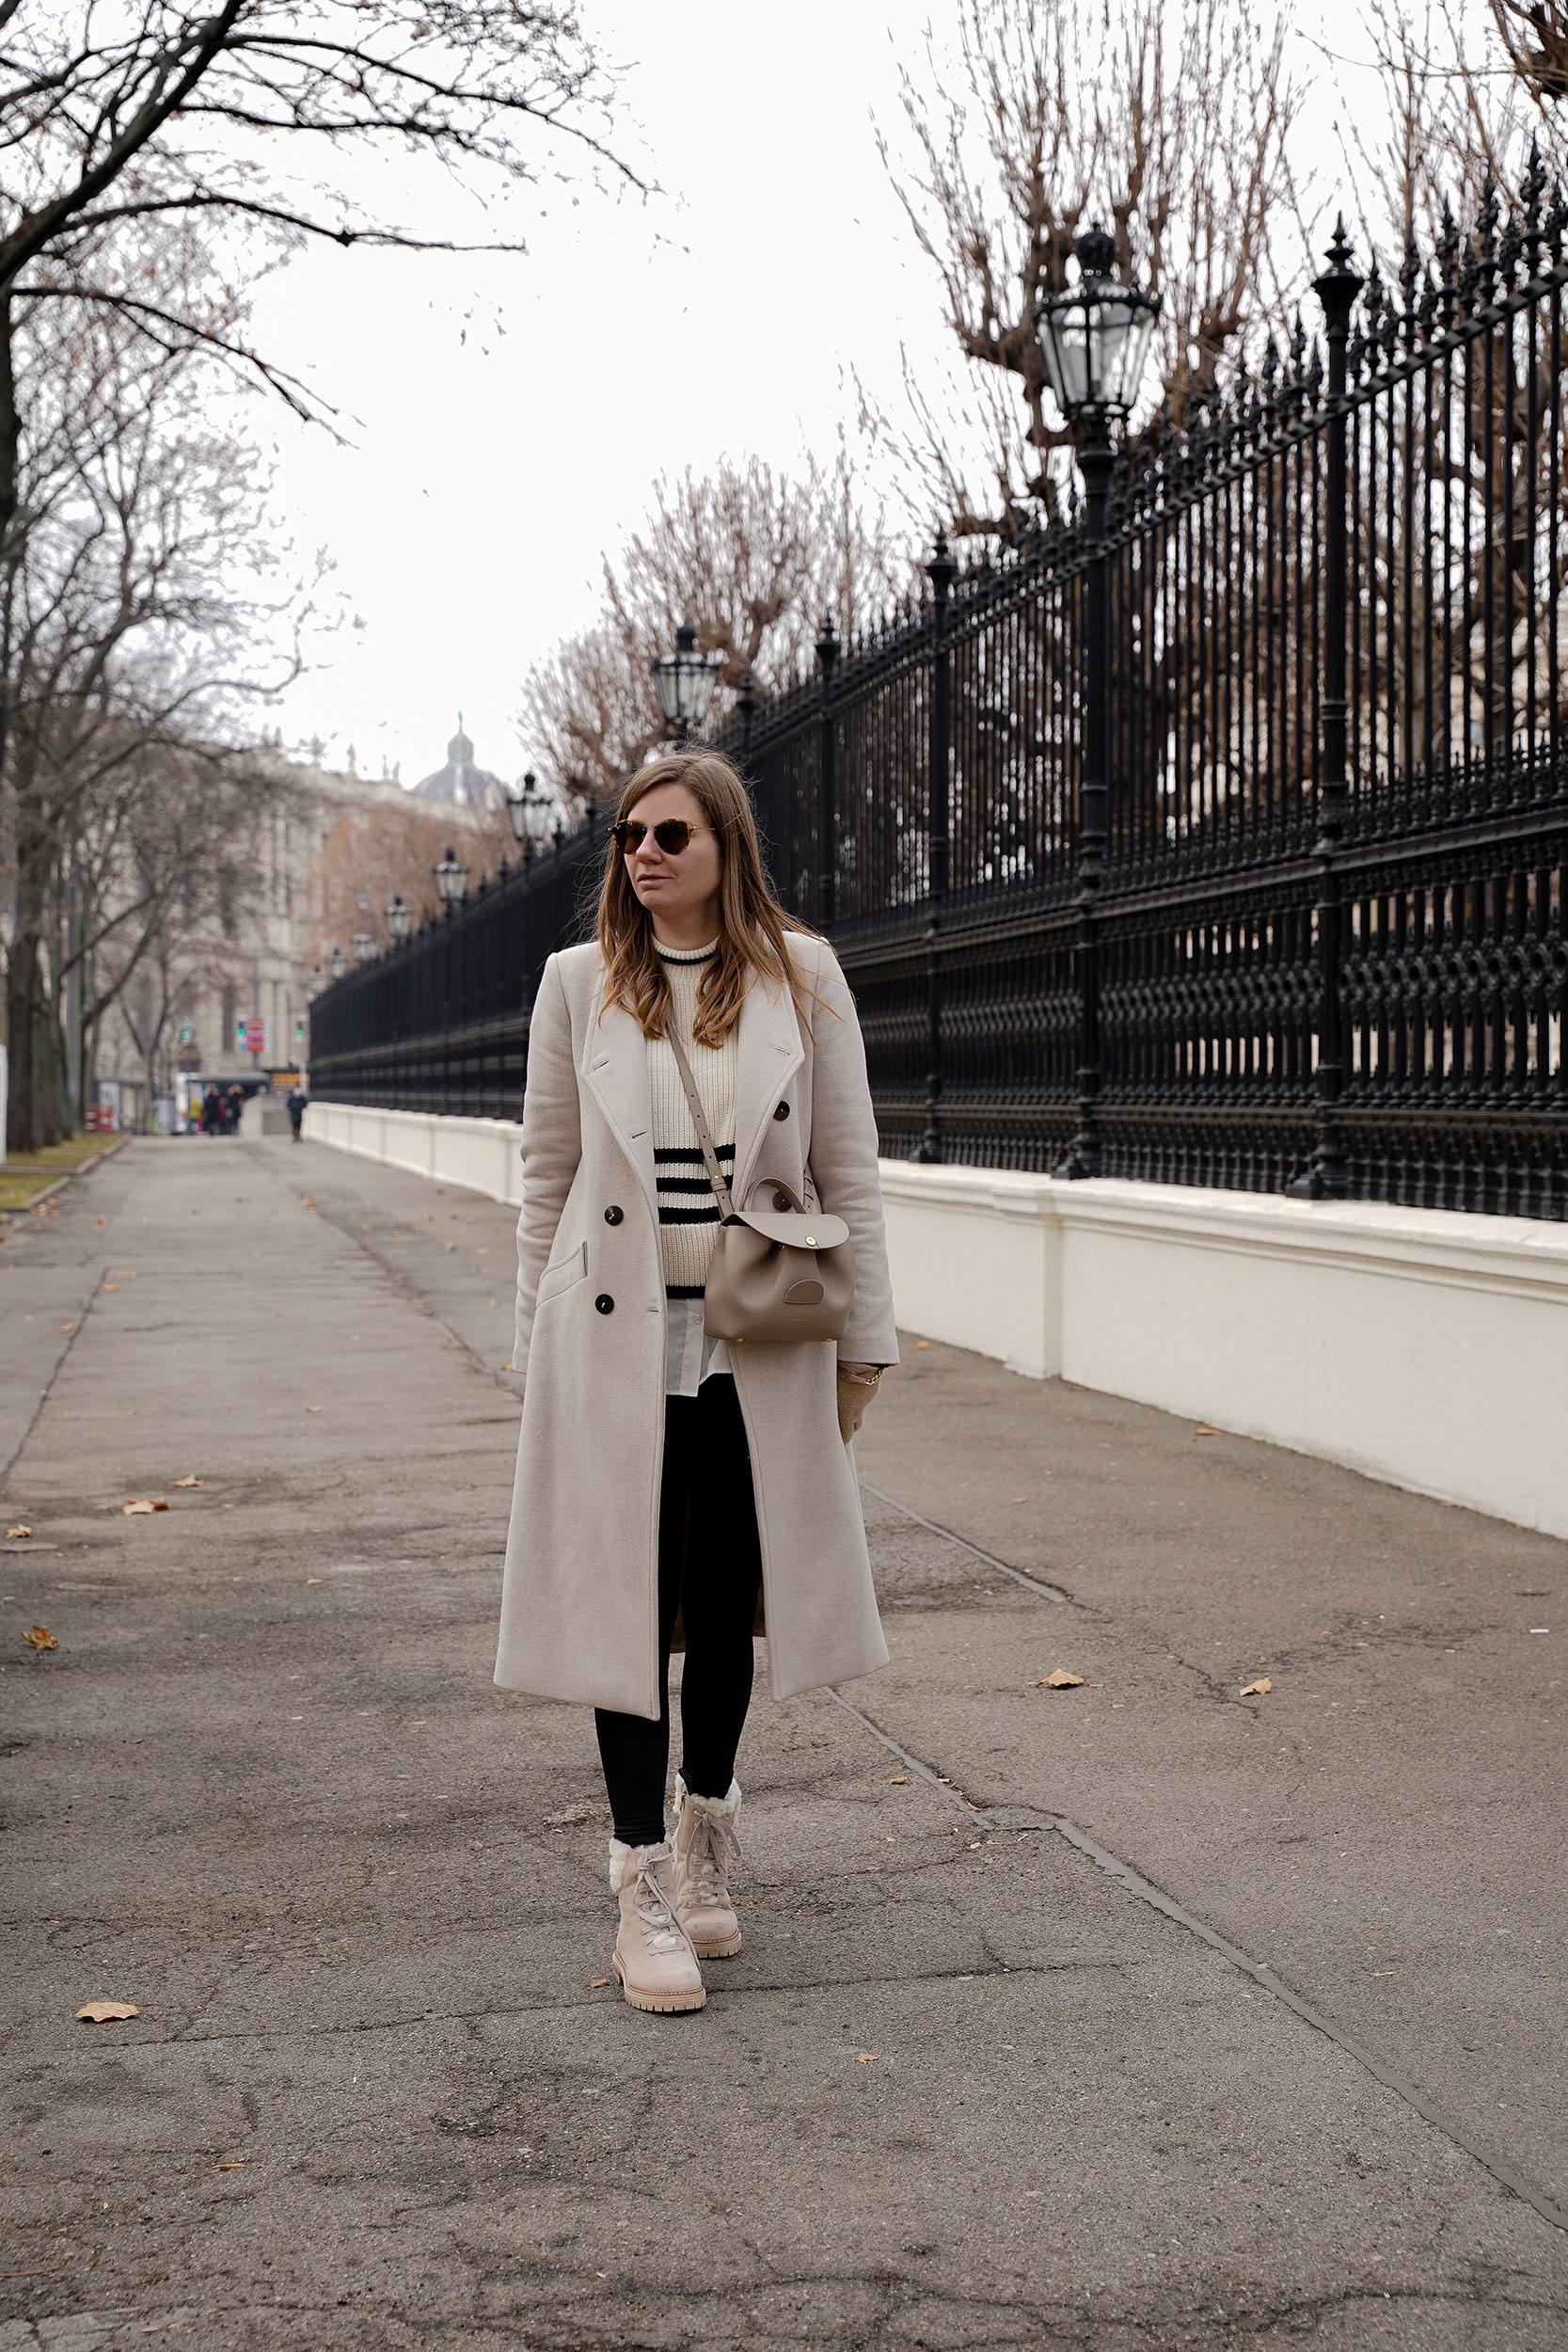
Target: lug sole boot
x=654, y=1957
x=705, y=1841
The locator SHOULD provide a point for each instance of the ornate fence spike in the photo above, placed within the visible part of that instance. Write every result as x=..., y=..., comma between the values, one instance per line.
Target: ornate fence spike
x=1555, y=223
x=1448, y=259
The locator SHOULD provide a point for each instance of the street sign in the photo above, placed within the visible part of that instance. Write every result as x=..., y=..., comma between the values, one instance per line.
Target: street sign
x=254, y=1040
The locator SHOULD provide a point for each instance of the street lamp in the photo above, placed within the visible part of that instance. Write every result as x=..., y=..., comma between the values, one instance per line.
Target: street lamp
x=685, y=681
x=1094, y=339
x=452, y=881
x=399, y=919
x=532, y=812
x=318, y=981
x=363, y=946
x=336, y=965
x=1094, y=335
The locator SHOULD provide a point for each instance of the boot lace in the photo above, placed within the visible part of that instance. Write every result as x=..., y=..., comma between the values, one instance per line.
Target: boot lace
x=715, y=1841
x=661, y=1927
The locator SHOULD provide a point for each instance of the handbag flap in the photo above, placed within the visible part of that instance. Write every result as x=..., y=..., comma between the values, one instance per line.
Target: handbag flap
x=796, y=1229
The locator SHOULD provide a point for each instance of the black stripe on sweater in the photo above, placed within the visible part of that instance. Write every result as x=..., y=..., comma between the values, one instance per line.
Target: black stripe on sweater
x=708, y=1216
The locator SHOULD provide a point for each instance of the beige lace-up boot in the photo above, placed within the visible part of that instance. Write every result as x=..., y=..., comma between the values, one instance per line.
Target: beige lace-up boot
x=705, y=1840
x=654, y=1956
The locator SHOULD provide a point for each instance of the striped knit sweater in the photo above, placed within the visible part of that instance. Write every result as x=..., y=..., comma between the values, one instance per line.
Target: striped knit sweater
x=688, y=1212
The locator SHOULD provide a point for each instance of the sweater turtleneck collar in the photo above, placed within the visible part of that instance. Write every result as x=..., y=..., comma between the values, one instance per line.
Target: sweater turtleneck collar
x=685, y=955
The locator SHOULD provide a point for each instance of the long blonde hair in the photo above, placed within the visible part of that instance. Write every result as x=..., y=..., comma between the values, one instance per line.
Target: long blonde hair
x=751, y=923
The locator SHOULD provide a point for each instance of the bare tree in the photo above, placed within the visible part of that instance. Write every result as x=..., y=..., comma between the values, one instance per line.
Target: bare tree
x=123, y=645
x=108, y=123
x=1534, y=33
x=1461, y=118
x=1165, y=121
x=754, y=560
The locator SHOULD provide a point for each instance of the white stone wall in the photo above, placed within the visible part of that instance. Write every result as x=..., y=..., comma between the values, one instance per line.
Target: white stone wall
x=1421, y=1346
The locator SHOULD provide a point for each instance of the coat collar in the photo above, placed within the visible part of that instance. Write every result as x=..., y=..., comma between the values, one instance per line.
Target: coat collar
x=769, y=1052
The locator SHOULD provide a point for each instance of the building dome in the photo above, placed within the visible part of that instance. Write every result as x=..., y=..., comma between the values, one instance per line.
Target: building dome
x=460, y=784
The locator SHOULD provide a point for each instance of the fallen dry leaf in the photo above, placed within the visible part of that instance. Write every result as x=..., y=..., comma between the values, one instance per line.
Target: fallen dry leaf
x=101, y=1220
x=134, y=1510
x=865, y=2058
x=1259, y=1690
x=452, y=1244
x=11, y=1532
x=65, y=1327
x=1204, y=1430
x=106, y=2013
x=41, y=1637
x=900, y=1780
x=111, y=1286
x=234, y=2163
x=312, y=1408
x=596, y=1984
x=923, y=1343
x=1060, y=1681
x=191, y=1481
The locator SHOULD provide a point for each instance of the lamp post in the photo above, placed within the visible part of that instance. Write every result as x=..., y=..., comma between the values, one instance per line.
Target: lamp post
x=363, y=946
x=532, y=813
x=318, y=981
x=452, y=881
x=399, y=919
x=1094, y=339
x=684, y=681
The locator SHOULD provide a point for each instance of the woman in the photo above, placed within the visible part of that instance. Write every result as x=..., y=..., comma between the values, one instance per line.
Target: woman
x=657, y=1476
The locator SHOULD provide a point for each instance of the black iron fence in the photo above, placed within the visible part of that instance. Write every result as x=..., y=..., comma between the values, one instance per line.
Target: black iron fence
x=1215, y=837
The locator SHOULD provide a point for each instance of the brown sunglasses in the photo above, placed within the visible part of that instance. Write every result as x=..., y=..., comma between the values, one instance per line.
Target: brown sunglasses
x=672, y=835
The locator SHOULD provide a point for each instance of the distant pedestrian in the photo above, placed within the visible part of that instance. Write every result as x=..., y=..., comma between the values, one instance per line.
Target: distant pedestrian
x=211, y=1111
x=298, y=1099
x=660, y=1464
x=233, y=1106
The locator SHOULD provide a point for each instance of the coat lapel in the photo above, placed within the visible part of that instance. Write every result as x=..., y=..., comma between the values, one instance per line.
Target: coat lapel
x=616, y=1074
x=768, y=1053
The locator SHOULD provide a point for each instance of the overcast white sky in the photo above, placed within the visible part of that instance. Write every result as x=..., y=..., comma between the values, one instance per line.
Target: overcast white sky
x=487, y=471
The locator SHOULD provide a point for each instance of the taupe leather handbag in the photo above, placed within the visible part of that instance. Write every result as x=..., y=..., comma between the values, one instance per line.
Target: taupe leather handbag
x=783, y=1272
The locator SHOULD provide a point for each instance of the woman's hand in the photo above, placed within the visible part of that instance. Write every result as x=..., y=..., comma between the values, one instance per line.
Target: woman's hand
x=857, y=1386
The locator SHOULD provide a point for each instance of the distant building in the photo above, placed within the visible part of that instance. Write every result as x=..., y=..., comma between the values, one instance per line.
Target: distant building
x=460, y=784
x=324, y=870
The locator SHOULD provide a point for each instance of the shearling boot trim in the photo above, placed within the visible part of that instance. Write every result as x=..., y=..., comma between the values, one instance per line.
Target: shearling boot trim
x=725, y=1808
x=620, y=1859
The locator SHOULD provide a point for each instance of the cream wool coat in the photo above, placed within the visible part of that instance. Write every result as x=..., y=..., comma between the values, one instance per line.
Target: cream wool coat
x=579, y=1604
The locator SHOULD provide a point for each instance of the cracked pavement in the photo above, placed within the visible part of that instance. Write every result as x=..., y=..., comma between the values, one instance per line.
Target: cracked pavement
x=961, y=2087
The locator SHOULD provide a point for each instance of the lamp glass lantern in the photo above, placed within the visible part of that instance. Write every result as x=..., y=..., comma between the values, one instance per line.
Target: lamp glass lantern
x=452, y=879
x=363, y=946
x=337, y=965
x=1094, y=335
x=399, y=919
x=532, y=812
x=684, y=681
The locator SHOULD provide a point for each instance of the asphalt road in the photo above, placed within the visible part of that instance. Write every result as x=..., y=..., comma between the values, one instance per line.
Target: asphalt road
x=967, y=2084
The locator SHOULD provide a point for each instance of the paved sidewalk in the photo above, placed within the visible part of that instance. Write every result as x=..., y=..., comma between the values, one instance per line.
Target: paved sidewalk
x=965, y=2085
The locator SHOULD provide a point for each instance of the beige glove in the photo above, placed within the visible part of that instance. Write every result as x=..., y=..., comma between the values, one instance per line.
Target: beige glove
x=857, y=1386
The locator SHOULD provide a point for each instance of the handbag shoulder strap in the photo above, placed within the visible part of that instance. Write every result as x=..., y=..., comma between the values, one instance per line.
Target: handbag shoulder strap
x=699, y=1121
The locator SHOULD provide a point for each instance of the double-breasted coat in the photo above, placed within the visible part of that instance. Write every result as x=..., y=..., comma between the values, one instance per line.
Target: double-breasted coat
x=579, y=1604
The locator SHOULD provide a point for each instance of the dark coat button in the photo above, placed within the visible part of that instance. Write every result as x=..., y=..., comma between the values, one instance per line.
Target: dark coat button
x=782, y=1111
x=605, y=1304
x=612, y=1216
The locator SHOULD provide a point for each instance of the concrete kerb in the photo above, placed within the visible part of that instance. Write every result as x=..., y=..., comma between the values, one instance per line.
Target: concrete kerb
x=25, y=1208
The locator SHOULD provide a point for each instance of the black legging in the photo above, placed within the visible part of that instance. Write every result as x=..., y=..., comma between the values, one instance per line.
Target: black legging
x=710, y=1567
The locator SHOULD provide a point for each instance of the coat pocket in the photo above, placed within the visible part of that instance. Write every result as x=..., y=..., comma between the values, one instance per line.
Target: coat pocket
x=562, y=1275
